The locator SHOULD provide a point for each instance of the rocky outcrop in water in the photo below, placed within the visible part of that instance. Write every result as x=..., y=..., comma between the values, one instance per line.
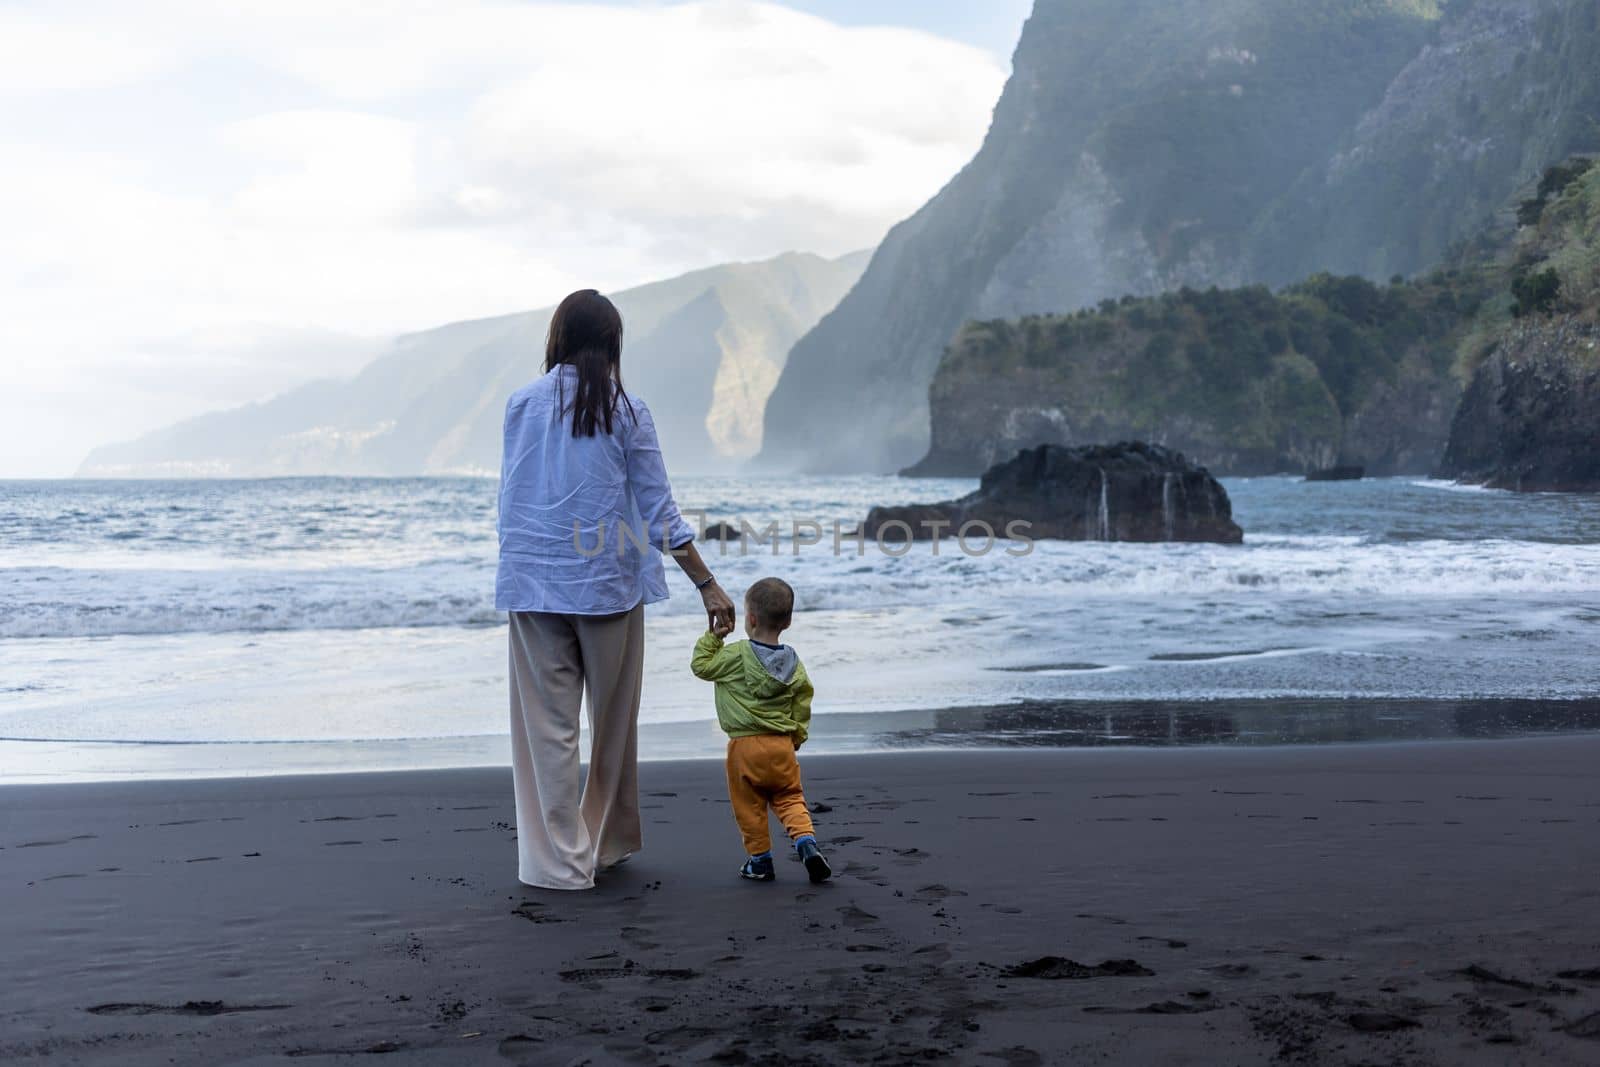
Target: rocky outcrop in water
x=1345, y=473
x=721, y=531
x=1530, y=420
x=1124, y=492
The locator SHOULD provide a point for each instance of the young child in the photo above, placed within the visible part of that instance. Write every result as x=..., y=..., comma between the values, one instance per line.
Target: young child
x=764, y=706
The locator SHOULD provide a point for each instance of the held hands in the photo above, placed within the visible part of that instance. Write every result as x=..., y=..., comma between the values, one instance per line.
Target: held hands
x=719, y=609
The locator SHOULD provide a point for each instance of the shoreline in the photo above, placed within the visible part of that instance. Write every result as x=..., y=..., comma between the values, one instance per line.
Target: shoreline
x=1059, y=724
x=1412, y=902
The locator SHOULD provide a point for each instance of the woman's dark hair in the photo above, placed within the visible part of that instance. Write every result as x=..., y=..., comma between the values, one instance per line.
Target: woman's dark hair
x=586, y=331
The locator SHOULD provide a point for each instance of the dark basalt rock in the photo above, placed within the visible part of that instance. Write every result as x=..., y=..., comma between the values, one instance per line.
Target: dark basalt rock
x=721, y=531
x=1124, y=492
x=1337, y=474
x=1530, y=420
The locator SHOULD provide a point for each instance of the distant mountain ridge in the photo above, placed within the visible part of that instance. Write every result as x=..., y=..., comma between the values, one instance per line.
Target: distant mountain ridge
x=704, y=349
x=1145, y=145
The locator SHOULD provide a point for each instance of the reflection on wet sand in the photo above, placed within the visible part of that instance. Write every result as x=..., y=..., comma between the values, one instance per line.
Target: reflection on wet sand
x=1056, y=724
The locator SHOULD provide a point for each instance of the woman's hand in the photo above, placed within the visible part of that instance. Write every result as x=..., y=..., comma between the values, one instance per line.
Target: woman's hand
x=719, y=609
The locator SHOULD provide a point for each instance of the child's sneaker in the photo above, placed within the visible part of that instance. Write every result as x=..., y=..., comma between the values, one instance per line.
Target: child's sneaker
x=759, y=869
x=816, y=866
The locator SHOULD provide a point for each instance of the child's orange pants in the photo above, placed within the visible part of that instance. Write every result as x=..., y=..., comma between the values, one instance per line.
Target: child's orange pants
x=763, y=770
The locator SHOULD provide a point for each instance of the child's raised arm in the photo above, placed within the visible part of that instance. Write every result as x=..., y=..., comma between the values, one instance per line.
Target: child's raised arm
x=711, y=660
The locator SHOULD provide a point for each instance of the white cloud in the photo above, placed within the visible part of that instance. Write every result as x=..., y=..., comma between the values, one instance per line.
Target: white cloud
x=40, y=54
x=370, y=168
x=327, y=168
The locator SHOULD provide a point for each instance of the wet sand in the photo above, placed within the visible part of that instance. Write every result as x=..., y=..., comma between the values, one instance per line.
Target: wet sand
x=1430, y=903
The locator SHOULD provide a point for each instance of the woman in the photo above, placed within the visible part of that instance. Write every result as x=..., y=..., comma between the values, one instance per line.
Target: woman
x=584, y=509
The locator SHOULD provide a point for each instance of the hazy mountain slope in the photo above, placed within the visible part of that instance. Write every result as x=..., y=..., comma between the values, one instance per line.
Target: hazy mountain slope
x=1509, y=88
x=1143, y=145
x=704, y=349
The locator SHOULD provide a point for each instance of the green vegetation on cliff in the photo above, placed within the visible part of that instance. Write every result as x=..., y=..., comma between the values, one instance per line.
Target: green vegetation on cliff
x=1563, y=244
x=1247, y=379
x=1550, y=267
x=1530, y=418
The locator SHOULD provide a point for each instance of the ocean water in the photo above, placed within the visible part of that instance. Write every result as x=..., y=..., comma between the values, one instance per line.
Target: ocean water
x=282, y=625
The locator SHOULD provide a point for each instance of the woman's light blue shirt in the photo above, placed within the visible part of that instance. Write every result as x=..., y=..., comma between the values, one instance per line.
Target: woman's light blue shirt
x=582, y=519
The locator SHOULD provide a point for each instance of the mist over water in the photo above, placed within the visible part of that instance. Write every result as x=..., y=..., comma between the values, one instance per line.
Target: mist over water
x=258, y=625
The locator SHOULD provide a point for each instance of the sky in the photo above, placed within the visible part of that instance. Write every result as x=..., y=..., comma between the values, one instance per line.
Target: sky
x=206, y=202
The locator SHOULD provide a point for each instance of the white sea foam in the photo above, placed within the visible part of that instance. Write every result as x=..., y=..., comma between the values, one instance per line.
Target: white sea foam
x=81, y=602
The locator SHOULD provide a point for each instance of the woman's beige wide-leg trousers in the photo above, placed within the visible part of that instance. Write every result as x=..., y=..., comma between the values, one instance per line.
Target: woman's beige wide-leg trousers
x=568, y=827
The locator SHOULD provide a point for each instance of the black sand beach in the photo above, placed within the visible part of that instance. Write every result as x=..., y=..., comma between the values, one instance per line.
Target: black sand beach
x=1431, y=903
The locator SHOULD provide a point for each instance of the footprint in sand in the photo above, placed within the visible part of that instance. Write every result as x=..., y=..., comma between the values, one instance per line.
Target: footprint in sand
x=1015, y=1056
x=629, y=969
x=1170, y=942
x=62, y=841
x=638, y=937
x=188, y=1007
x=1160, y=1007
x=937, y=892
x=1059, y=967
x=534, y=911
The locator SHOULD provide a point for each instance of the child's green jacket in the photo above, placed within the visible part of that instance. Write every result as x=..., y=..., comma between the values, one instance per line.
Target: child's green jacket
x=758, y=691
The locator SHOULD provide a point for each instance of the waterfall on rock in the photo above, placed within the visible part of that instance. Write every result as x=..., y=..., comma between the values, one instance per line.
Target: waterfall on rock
x=1105, y=508
x=1167, y=517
